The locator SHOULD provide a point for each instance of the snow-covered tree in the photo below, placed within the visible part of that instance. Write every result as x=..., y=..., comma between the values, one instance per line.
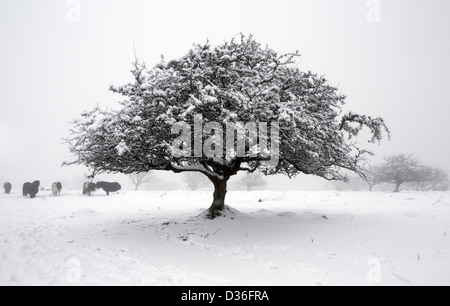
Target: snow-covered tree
x=399, y=169
x=195, y=181
x=237, y=81
x=373, y=175
x=252, y=180
x=139, y=179
x=431, y=178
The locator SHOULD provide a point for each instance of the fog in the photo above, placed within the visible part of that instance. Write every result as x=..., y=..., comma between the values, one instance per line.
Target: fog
x=56, y=61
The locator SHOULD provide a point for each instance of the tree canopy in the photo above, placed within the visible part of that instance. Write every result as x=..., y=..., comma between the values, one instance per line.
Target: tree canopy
x=239, y=81
x=252, y=180
x=405, y=168
x=399, y=169
x=432, y=178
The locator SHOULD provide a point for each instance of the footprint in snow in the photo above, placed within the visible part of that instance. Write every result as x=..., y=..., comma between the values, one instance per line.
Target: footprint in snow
x=440, y=254
x=332, y=256
x=287, y=214
x=401, y=278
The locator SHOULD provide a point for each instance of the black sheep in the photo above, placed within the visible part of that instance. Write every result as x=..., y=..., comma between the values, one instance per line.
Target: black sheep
x=37, y=183
x=31, y=189
x=109, y=187
x=7, y=186
x=88, y=188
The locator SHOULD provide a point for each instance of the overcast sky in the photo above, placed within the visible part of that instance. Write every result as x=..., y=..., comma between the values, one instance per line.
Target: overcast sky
x=55, y=63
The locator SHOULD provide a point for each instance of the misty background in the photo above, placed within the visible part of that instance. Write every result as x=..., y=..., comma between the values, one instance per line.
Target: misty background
x=58, y=58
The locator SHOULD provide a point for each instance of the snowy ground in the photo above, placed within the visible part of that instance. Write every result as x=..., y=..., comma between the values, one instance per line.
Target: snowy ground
x=290, y=238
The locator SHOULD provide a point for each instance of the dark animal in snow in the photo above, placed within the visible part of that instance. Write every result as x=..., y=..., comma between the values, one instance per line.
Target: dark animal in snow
x=88, y=188
x=31, y=189
x=7, y=186
x=56, y=188
x=37, y=183
x=109, y=187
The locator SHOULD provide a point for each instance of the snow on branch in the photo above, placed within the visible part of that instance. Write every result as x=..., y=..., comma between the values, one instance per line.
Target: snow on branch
x=239, y=81
x=377, y=126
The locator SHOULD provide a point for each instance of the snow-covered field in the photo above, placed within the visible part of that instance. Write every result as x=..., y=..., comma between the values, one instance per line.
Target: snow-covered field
x=288, y=238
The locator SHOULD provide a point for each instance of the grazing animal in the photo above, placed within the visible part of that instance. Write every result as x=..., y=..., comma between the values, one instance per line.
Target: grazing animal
x=109, y=187
x=56, y=188
x=88, y=188
x=31, y=189
x=37, y=183
x=7, y=186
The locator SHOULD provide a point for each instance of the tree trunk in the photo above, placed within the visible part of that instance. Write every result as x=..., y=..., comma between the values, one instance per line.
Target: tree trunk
x=218, y=204
x=397, y=187
x=370, y=188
